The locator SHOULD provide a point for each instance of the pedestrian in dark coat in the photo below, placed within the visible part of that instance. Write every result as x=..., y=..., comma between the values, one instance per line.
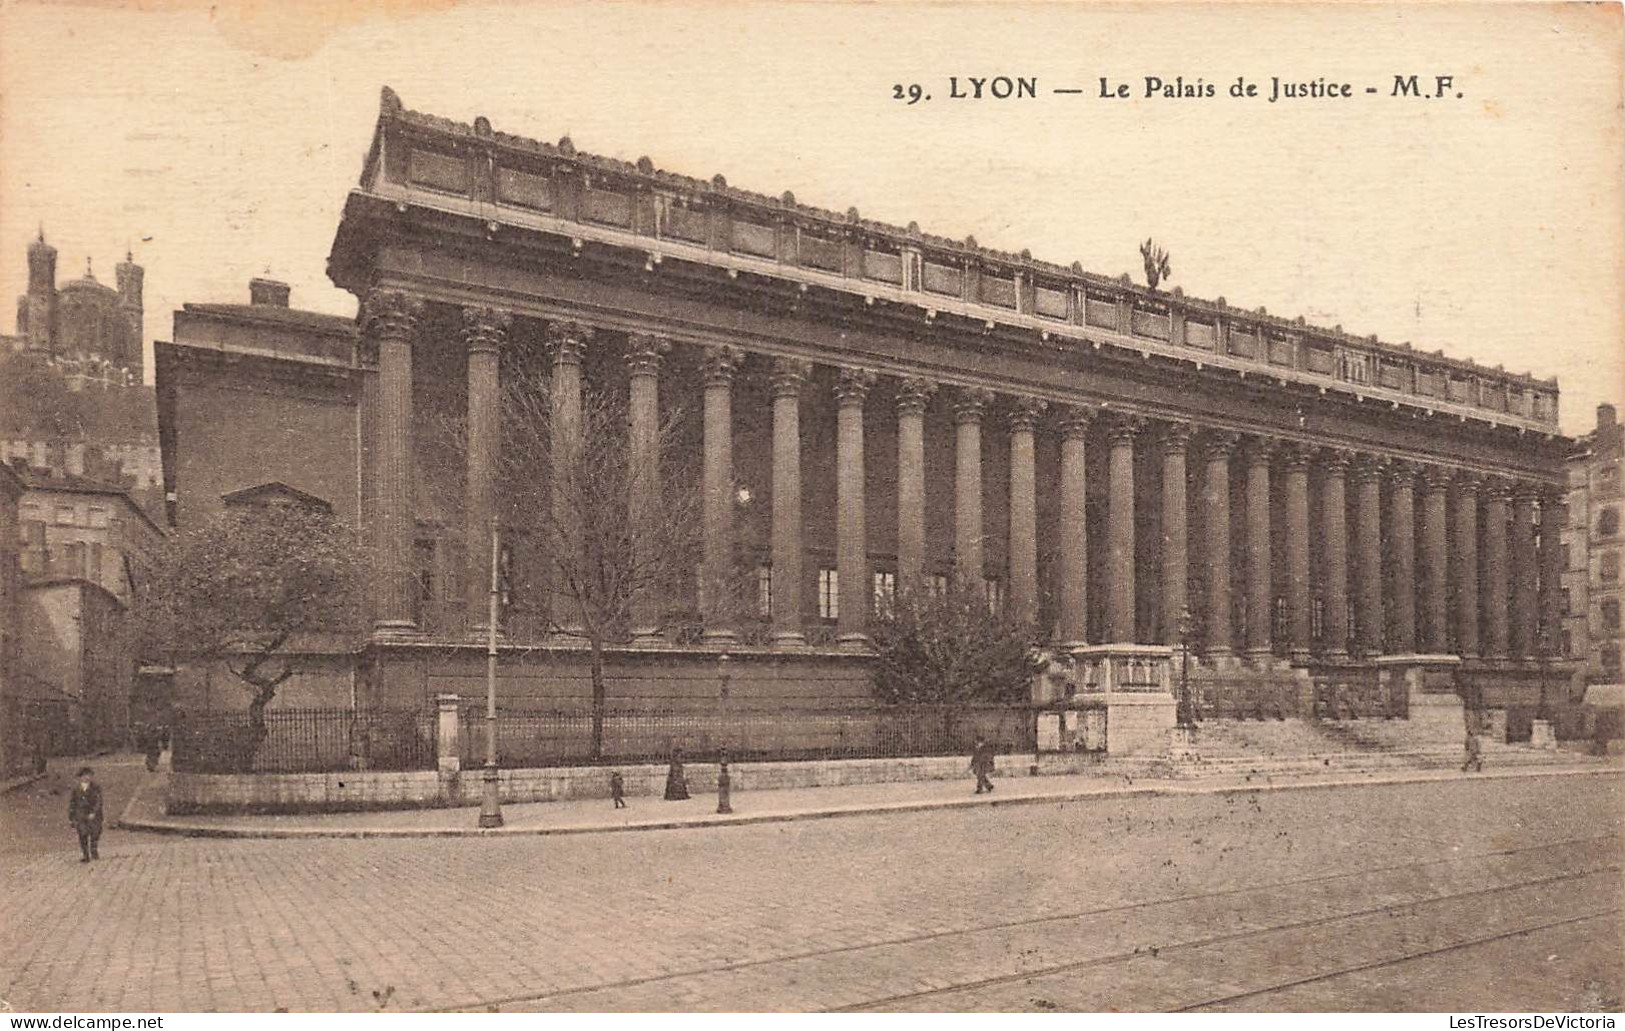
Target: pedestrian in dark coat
x=1475, y=753
x=676, y=781
x=617, y=790
x=85, y=813
x=981, y=764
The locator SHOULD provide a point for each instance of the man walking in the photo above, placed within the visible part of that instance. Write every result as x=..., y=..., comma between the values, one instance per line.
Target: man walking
x=981, y=764
x=85, y=813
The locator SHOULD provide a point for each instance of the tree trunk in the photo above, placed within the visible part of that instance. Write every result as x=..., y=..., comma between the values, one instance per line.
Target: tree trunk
x=597, y=698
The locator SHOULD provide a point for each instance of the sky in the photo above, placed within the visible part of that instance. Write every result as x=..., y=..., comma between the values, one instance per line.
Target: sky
x=217, y=142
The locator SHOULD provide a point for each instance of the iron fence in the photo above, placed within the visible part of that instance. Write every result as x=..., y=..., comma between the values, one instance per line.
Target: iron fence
x=1243, y=697
x=1359, y=695
x=304, y=741
x=565, y=736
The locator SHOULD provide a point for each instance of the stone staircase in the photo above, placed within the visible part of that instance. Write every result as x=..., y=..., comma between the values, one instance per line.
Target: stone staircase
x=1302, y=746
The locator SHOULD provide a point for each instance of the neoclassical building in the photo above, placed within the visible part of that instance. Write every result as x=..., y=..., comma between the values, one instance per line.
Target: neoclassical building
x=874, y=407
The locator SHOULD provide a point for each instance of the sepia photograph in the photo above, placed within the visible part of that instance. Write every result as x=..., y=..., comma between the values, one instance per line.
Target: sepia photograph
x=811, y=507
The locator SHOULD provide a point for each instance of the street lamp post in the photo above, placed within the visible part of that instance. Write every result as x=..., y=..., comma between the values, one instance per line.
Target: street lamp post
x=1544, y=644
x=490, y=801
x=1185, y=711
x=724, y=781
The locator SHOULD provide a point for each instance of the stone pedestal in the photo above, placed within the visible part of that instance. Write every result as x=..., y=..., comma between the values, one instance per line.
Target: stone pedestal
x=1541, y=736
x=1133, y=683
x=447, y=750
x=1429, y=686
x=1182, y=745
x=1494, y=727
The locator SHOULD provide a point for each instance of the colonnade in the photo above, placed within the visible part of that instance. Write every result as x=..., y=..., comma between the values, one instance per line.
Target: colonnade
x=1482, y=570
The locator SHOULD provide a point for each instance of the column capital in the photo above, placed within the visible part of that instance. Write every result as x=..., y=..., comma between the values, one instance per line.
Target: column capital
x=1526, y=492
x=914, y=394
x=391, y=315
x=788, y=376
x=1259, y=450
x=1497, y=488
x=1218, y=443
x=1437, y=477
x=1366, y=468
x=1296, y=457
x=485, y=329
x=1401, y=472
x=1334, y=461
x=1552, y=495
x=1175, y=437
x=1075, y=421
x=1122, y=428
x=852, y=386
x=644, y=352
x=1025, y=413
x=970, y=403
x=568, y=341
x=719, y=363
x=1468, y=480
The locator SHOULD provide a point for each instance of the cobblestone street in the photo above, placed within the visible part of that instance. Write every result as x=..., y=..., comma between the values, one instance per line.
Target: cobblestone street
x=1478, y=895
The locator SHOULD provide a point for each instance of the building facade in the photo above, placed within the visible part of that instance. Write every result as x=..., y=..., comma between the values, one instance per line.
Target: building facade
x=873, y=408
x=1592, y=546
x=82, y=529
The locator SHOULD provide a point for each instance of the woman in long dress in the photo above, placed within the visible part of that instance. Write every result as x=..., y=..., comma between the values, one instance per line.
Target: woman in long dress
x=676, y=783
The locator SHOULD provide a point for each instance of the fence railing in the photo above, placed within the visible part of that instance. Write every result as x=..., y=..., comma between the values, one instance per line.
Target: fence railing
x=304, y=741
x=565, y=736
x=1244, y=697
x=1359, y=695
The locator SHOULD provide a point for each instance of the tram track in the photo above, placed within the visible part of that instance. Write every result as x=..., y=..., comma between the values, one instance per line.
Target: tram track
x=1124, y=910
x=1174, y=949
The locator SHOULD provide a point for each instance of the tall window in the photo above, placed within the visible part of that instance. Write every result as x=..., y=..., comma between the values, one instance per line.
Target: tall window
x=1278, y=627
x=885, y=591
x=1608, y=567
x=829, y=594
x=993, y=589
x=423, y=557
x=95, y=571
x=764, y=591
x=1568, y=607
x=1317, y=618
x=1608, y=522
x=1610, y=614
x=1609, y=656
x=1354, y=367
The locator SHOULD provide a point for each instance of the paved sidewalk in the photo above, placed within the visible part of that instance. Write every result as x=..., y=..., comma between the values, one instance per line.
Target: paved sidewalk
x=145, y=811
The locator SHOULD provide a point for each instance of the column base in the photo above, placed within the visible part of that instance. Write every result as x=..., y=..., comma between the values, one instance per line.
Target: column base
x=1336, y=655
x=788, y=640
x=1542, y=736
x=648, y=637
x=1263, y=656
x=395, y=630
x=720, y=635
x=1300, y=656
x=854, y=642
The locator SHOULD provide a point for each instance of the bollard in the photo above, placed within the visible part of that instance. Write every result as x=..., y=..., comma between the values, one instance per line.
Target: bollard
x=724, y=786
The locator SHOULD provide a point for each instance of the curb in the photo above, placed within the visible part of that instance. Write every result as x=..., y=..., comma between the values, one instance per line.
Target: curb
x=182, y=828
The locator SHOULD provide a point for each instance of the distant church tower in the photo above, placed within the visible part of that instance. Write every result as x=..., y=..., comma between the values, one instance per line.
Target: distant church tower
x=41, y=297
x=130, y=277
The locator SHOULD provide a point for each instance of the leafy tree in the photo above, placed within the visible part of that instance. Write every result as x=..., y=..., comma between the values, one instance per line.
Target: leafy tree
x=246, y=590
x=952, y=648
x=1156, y=263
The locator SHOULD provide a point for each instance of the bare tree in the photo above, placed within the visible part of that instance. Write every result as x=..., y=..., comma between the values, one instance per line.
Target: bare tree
x=1155, y=258
x=613, y=540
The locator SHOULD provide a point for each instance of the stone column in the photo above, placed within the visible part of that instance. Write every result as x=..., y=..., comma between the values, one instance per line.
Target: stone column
x=1497, y=493
x=1525, y=572
x=788, y=376
x=1402, y=545
x=1176, y=438
x=1072, y=623
x=968, y=409
x=1120, y=531
x=643, y=356
x=716, y=477
x=389, y=326
x=1553, y=514
x=1220, y=625
x=1335, y=553
x=568, y=341
x=1260, y=581
x=913, y=394
x=1296, y=470
x=484, y=331
x=1435, y=570
x=1368, y=555
x=851, y=538
x=1464, y=545
x=1024, y=415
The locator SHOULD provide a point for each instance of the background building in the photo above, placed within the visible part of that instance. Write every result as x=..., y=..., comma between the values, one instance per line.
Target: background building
x=72, y=398
x=74, y=527
x=1592, y=543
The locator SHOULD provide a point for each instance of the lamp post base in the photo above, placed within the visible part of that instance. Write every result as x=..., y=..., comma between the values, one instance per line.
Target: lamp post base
x=490, y=804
